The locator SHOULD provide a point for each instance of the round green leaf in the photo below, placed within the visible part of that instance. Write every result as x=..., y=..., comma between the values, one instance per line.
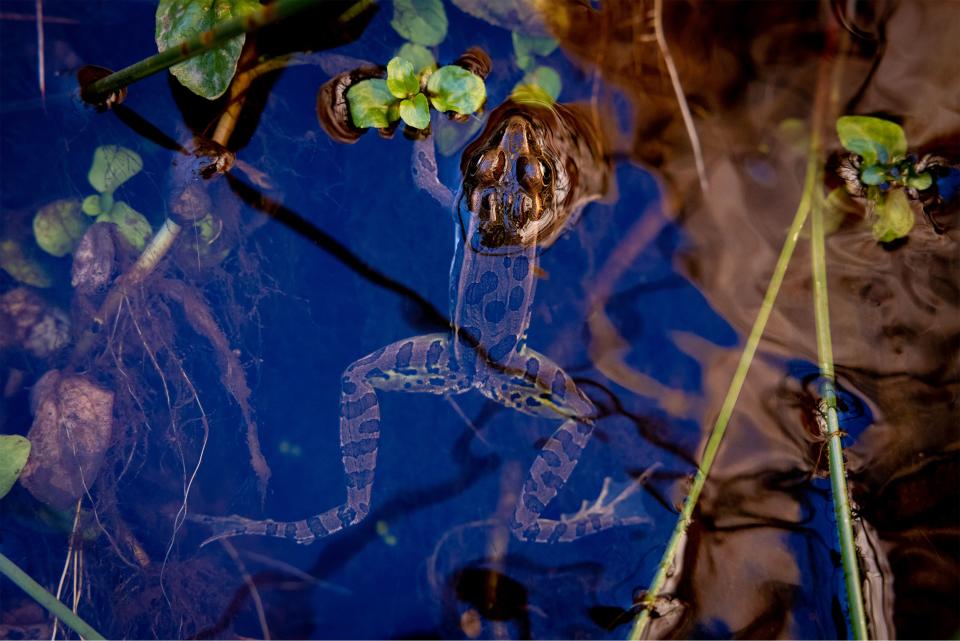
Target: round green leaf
x=415, y=112
x=59, y=226
x=546, y=79
x=531, y=94
x=894, y=217
x=920, y=181
x=419, y=56
x=15, y=262
x=14, y=452
x=525, y=46
x=402, y=81
x=423, y=22
x=210, y=73
x=91, y=205
x=873, y=139
x=112, y=166
x=873, y=175
x=131, y=224
x=453, y=88
x=370, y=102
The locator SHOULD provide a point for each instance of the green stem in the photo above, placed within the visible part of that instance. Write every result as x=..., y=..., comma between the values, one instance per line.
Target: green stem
x=838, y=482
x=9, y=569
x=733, y=392
x=98, y=91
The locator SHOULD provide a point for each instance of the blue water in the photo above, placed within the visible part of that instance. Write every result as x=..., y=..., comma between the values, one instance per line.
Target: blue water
x=436, y=473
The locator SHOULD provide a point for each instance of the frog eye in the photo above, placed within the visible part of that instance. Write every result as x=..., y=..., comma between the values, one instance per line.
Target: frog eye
x=546, y=173
x=530, y=172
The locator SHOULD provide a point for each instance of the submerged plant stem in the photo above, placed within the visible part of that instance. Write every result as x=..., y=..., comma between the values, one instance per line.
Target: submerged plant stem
x=838, y=479
x=10, y=569
x=97, y=91
x=726, y=410
x=746, y=358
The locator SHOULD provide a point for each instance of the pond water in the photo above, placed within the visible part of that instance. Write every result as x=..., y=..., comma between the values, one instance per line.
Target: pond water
x=330, y=251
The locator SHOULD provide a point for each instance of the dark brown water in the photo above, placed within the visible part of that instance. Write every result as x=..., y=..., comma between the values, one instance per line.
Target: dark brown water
x=750, y=73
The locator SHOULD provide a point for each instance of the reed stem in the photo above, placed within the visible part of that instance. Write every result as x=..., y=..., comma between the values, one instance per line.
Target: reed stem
x=830, y=424
x=726, y=410
x=10, y=569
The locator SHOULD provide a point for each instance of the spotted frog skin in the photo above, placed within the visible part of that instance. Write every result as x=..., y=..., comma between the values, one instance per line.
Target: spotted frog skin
x=525, y=181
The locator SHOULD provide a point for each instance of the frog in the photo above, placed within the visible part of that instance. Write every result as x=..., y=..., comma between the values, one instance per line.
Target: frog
x=525, y=181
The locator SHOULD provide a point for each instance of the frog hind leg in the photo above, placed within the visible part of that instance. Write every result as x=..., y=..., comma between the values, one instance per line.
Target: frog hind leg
x=420, y=364
x=539, y=386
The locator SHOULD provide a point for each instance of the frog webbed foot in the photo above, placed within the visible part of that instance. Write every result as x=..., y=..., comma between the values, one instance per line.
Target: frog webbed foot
x=549, y=473
x=619, y=508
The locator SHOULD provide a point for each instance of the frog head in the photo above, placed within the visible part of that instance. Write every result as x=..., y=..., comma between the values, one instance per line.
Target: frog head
x=518, y=176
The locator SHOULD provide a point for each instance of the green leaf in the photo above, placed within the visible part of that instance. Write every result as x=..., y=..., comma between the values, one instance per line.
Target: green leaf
x=453, y=88
x=59, y=226
x=209, y=74
x=543, y=84
x=873, y=175
x=920, y=181
x=112, y=166
x=873, y=139
x=131, y=224
x=423, y=22
x=14, y=452
x=415, y=112
x=91, y=205
x=524, y=46
x=402, y=81
x=836, y=207
x=370, y=102
x=419, y=56
x=894, y=217
x=531, y=95
x=23, y=268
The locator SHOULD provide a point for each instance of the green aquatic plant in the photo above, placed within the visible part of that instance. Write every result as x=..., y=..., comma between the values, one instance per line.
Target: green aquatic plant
x=104, y=89
x=525, y=48
x=22, y=266
x=207, y=75
x=14, y=452
x=540, y=85
x=830, y=426
x=53, y=605
x=407, y=94
x=811, y=205
x=881, y=172
x=58, y=226
x=112, y=166
x=423, y=22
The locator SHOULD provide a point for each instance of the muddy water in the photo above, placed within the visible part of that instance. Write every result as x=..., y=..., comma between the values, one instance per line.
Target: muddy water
x=762, y=554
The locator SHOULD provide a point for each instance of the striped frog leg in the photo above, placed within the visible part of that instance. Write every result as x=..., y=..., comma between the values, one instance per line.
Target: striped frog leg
x=418, y=364
x=540, y=387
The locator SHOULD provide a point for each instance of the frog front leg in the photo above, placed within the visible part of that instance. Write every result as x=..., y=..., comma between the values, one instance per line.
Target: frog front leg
x=419, y=364
x=538, y=386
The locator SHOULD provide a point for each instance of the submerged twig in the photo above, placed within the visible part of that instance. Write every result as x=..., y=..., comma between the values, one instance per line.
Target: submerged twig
x=838, y=480
x=681, y=98
x=41, y=55
x=251, y=587
x=23, y=580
